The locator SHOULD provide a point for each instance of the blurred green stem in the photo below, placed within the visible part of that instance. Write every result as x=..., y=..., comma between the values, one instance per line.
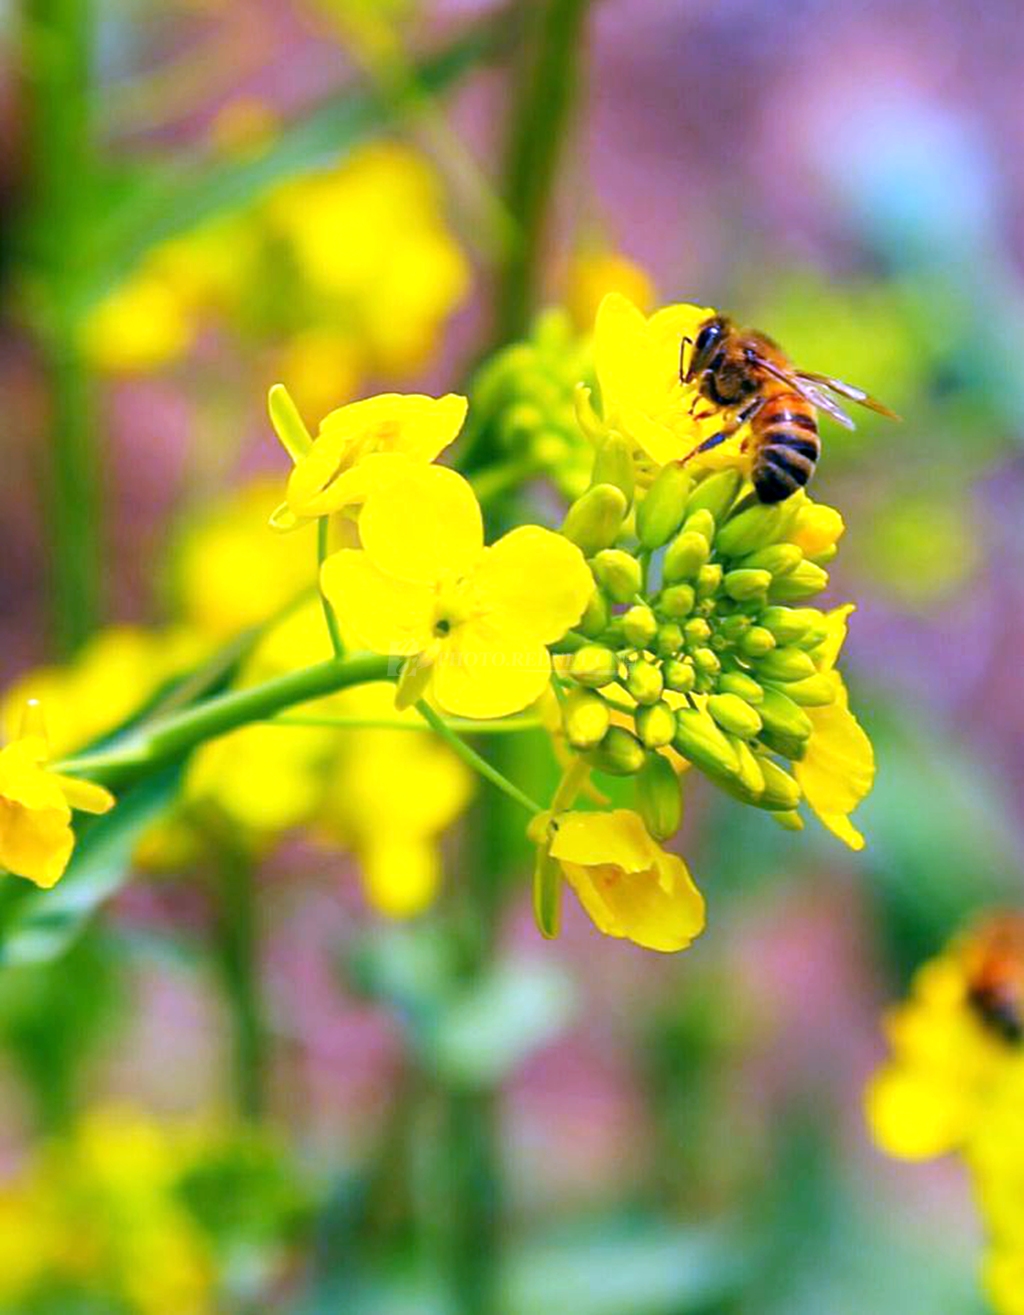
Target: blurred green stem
x=57, y=45
x=323, y=530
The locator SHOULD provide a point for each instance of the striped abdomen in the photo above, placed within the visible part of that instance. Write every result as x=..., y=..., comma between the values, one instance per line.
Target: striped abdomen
x=786, y=446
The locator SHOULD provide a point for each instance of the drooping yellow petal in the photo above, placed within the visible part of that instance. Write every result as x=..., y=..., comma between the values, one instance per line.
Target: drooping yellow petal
x=24, y=782
x=85, y=796
x=35, y=842
x=537, y=581
x=826, y=654
x=838, y=769
x=485, y=673
x=618, y=837
x=424, y=525
x=386, y=614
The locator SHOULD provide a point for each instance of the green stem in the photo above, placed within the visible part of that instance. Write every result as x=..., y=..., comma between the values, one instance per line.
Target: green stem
x=474, y=760
x=168, y=739
x=333, y=629
x=58, y=38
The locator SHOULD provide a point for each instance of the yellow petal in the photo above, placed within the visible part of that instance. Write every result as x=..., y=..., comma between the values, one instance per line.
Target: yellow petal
x=826, y=654
x=424, y=525
x=35, y=842
x=387, y=615
x=914, y=1118
x=420, y=426
x=484, y=673
x=838, y=769
x=536, y=580
x=618, y=837
x=85, y=796
x=23, y=781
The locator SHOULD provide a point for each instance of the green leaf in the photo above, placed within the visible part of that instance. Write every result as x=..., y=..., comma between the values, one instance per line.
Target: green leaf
x=176, y=199
x=40, y=925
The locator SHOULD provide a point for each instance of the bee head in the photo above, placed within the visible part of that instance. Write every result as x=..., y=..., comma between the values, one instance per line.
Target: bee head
x=706, y=344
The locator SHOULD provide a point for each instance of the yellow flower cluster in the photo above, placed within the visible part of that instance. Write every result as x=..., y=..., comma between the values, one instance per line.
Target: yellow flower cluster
x=955, y=1084
x=350, y=272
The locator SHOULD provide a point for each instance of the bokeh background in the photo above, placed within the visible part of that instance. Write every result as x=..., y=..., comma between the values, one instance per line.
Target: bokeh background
x=294, y=1102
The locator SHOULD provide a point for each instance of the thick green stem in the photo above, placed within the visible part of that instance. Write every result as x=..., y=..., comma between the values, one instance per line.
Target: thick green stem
x=57, y=44
x=169, y=739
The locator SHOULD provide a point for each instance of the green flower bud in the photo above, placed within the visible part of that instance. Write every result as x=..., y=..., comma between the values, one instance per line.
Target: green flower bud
x=716, y=493
x=778, y=558
x=661, y=512
x=709, y=581
x=816, y=691
x=817, y=630
x=735, y=715
x=749, y=530
x=659, y=796
x=781, y=716
x=596, y=617
x=656, y=725
x=586, y=718
x=684, y=556
x=669, y=639
x=697, y=630
x=700, y=522
x=788, y=624
x=594, y=665
x=639, y=625
x=679, y=675
x=786, y=664
x=677, y=601
x=751, y=772
x=707, y=661
x=757, y=642
x=620, y=753
x=826, y=555
x=618, y=574
x=781, y=792
x=613, y=464
x=806, y=581
x=733, y=628
x=645, y=682
x=742, y=685
x=547, y=893
x=701, y=742
x=594, y=520
x=788, y=821
x=744, y=584
x=590, y=423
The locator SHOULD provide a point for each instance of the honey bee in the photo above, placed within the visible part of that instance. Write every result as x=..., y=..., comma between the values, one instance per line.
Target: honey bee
x=745, y=375
x=994, y=961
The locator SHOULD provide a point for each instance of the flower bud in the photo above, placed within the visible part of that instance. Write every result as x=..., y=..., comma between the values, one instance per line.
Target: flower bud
x=733, y=628
x=618, y=574
x=742, y=685
x=757, y=642
x=788, y=821
x=595, y=618
x=595, y=519
x=669, y=639
x=751, y=772
x=778, y=558
x=676, y=602
x=781, y=792
x=547, y=893
x=586, y=717
x=707, y=661
x=803, y=582
x=645, y=682
x=735, y=715
x=659, y=796
x=656, y=725
x=816, y=528
x=781, y=715
x=716, y=493
x=749, y=530
x=786, y=664
x=679, y=675
x=817, y=691
x=697, y=630
x=661, y=512
x=700, y=522
x=620, y=753
x=700, y=740
x=744, y=584
x=709, y=581
x=613, y=464
x=590, y=423
x=639, y=625
x=788, y=624
x=594, y=665
x=684, y=556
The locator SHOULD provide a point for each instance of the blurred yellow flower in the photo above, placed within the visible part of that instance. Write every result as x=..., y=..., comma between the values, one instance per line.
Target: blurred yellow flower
x=343, y=466
x=36, y=839
x=595, y=271
x=141, y=326
x=478, y=619
x=628, y=884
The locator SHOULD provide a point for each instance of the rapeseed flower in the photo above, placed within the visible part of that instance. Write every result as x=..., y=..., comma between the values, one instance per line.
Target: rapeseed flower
x=36, y=839
x=476, y=619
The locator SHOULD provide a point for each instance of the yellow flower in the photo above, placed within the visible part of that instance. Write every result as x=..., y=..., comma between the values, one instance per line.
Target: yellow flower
x=628, y=884
x=478, y=618
x=637, y=364
x=837, y=770
x=597, y=270
x=344, y=463
x=36, y=838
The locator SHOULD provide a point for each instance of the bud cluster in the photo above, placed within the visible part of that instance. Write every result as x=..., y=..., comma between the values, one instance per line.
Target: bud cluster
x=699, y=642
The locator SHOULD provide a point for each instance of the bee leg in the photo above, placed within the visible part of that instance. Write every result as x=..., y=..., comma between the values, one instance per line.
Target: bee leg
x=709, y=443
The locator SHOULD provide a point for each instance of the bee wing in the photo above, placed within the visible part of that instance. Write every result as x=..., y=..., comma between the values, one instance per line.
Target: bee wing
x=802, y=384
x=851, y=391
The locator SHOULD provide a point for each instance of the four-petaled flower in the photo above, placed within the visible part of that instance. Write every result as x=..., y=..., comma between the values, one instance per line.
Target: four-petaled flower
x=424, y=585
